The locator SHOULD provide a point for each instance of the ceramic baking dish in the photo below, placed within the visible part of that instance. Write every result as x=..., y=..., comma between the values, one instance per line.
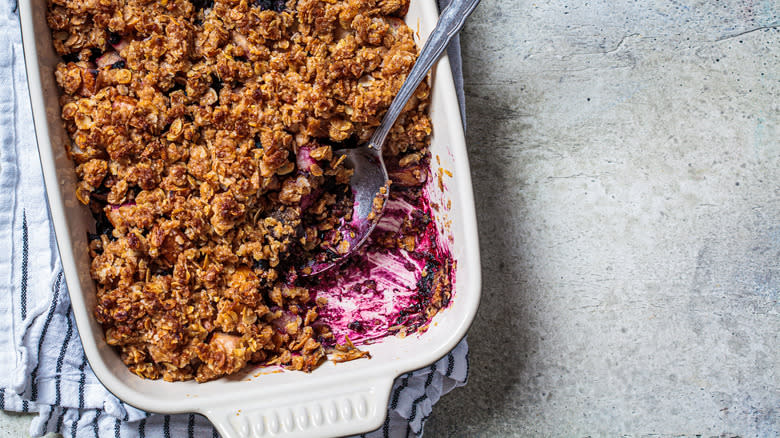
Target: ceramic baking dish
x=335, y=399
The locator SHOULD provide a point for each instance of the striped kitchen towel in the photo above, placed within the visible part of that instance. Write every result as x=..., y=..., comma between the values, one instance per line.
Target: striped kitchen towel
x=44, y=369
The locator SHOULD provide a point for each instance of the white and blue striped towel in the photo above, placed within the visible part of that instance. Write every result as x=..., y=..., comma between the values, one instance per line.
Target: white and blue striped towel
x=42, y=365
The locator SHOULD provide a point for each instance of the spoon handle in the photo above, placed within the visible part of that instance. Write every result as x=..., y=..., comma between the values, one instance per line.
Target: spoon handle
x=450, y=22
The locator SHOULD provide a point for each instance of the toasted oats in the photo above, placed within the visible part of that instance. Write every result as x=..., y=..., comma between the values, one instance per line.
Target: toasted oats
x=187, y=124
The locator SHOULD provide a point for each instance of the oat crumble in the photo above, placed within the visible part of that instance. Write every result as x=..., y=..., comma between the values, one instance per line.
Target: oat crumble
x=203, y=135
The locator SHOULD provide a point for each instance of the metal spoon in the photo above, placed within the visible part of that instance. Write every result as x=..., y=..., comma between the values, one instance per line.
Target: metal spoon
x=369, y=183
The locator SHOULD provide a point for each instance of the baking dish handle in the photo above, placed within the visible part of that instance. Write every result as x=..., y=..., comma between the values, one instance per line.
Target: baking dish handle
x=360, y=408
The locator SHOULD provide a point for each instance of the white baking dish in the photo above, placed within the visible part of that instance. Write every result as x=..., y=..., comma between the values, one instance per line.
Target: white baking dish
x=333, y=400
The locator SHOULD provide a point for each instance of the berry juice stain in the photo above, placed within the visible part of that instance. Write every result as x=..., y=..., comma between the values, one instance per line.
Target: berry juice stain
x=387, y=286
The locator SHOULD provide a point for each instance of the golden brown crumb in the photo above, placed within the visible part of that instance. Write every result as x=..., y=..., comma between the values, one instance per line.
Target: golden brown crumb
x=189, y=126
x=348, y=352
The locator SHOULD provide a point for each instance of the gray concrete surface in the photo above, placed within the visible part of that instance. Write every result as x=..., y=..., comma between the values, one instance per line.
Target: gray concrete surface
x=14, y=425
x=626, y=164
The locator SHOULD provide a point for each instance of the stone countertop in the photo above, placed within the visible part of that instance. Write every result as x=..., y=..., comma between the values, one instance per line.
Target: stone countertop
x=626, y=167
x=626, y=160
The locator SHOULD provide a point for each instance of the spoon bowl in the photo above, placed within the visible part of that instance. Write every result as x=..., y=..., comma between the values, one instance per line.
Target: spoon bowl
x=370, y=187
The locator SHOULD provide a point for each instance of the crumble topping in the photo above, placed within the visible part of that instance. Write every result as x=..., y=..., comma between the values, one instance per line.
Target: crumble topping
x=203, y=135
